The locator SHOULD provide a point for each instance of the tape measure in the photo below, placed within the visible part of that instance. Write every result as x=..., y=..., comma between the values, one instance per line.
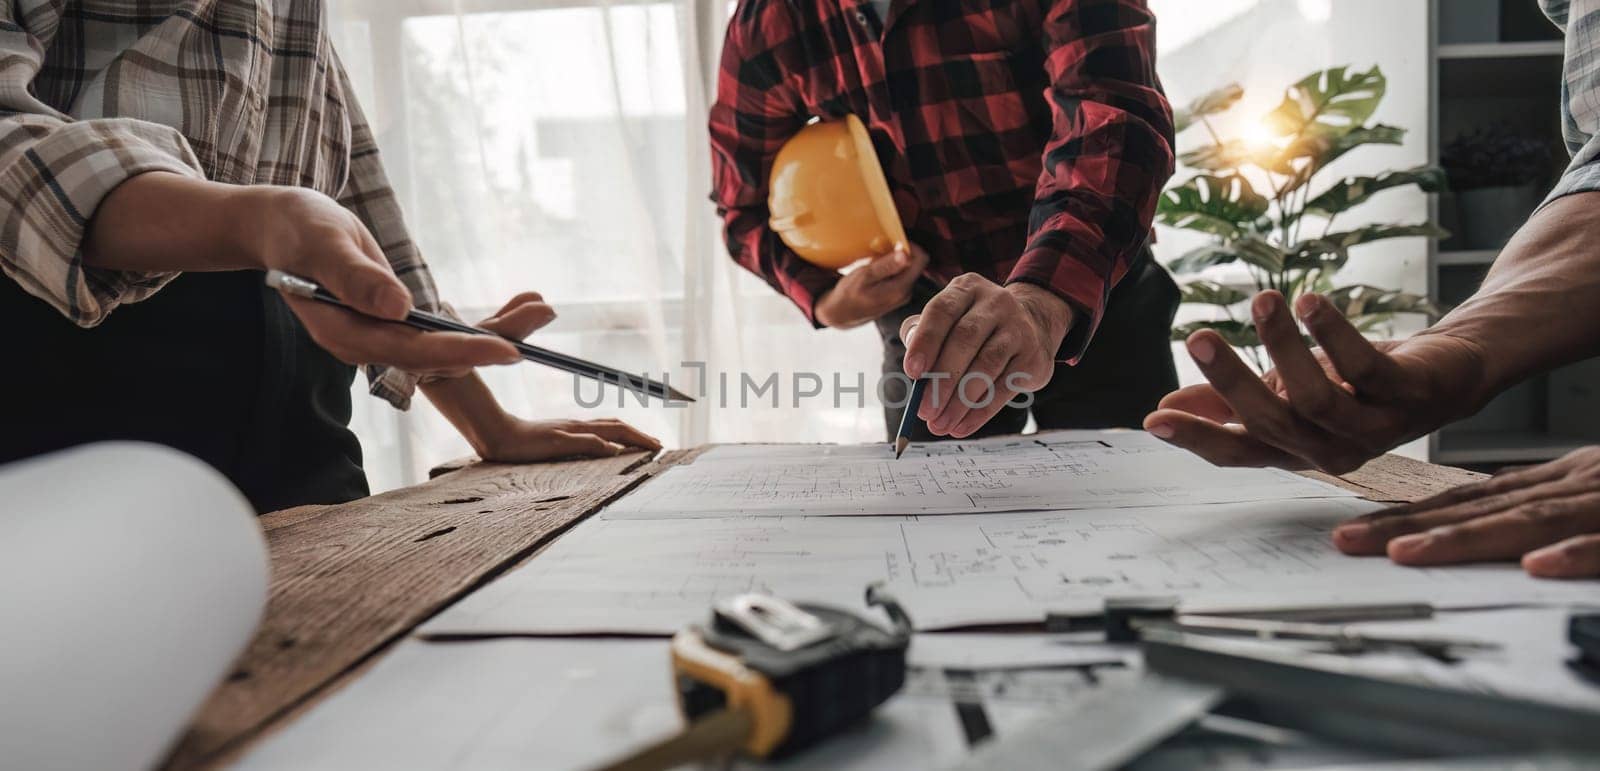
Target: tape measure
x=767, y=678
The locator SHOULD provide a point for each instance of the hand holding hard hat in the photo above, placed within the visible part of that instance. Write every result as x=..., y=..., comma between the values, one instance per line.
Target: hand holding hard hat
x=828, y=198
x=830, y=203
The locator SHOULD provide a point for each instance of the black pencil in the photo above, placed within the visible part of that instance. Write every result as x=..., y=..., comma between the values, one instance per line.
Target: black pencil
x=902, y=438
x=300, y=287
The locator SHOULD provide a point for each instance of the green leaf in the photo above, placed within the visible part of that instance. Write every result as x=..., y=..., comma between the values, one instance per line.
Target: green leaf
x=1226, y=156
x=1350, y=193
x=1365, y=135
x=1328, y=104
x=1333, y=250
x=1200, y=258
x=1231, y=155
x=1208, y=104
x=1362, y=301
x=1316, y=152
x=1221, y=206
x=1252, y=249
x=1212, y=293
x=1237, y=333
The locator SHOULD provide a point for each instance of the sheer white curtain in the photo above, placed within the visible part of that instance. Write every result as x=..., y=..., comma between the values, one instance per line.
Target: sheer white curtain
x=559, y=146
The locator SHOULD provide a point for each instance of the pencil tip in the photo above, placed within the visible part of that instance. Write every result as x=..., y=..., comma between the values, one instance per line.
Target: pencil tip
x=900, y=445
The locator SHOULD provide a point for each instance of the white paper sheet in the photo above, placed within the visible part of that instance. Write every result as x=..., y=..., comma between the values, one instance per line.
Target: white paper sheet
x=575, y=704
x=130, y=577
x=1053, y=471
x=655, y=576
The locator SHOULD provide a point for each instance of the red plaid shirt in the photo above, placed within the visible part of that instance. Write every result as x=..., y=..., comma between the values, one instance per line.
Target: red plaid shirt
x=1024, y=140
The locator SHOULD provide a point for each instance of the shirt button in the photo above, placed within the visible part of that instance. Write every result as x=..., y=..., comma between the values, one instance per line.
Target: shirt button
x=861, y=18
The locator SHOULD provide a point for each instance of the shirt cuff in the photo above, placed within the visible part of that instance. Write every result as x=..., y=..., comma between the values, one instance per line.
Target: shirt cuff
x=806, y=286
x=63, y=179
x=1076, y=283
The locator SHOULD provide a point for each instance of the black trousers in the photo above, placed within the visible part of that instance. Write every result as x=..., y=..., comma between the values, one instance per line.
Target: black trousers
x=214, y=365
x=1120, y=379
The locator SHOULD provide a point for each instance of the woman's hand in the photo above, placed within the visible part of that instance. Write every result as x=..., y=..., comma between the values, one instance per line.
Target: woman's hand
x=1546, y=516
x=497, y=435
x=161, y=222
x=530, y=441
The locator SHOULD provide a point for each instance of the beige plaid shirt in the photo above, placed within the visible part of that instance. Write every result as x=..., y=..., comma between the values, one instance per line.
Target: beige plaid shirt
x=245, y=92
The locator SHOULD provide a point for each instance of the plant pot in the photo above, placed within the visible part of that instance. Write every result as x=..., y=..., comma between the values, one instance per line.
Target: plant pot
x=1489, y=215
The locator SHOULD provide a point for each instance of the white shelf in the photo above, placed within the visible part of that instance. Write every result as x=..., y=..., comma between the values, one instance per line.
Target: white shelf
x=1502, y=50
x=1489, y=447
x=1473, y=257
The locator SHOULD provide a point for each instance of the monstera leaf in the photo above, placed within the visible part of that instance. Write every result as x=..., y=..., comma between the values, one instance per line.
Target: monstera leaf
x=1361, y=300
x=1329, y=104
x=1222, y=206
x=1209, y=104
x=1233, y=154
x=1366, y=135
x=1350, y=193
x=1332, y=251
x=1212, y=293
x=1237, y=333
x=1251, y=249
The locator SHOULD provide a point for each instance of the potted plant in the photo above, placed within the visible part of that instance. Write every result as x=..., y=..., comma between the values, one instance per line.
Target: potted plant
x=1496, y=175
x=1263, y=203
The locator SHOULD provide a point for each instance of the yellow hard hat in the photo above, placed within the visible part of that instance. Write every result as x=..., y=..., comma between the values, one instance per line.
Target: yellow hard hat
x=828, y=198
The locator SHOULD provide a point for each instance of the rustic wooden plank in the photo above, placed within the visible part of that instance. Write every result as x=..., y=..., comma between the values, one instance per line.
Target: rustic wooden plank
x=348, y=580
x=287, y=517
x=1397, y=479
x=642, y=470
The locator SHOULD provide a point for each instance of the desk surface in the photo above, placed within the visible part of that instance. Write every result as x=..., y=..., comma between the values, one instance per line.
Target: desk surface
x=348, y=581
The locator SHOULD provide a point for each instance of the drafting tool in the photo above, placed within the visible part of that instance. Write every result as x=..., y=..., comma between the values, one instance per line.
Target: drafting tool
x=1189, y=676
x=1328, y=695
x=767, y=678
x=299, y=287
x=1129, y=619
x=909, y=418
x=1583, y=630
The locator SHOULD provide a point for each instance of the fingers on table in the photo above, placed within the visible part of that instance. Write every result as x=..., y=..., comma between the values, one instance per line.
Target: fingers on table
x=1577, y=557
x=617, y=431
x=569, y=443
x=1500, y=526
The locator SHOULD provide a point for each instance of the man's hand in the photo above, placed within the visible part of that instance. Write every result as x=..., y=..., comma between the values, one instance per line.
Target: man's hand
x=872, y=290
x=306, y=233
x=984, y=344
x=1334, y=409
x=1547, y=516
x=497, y=435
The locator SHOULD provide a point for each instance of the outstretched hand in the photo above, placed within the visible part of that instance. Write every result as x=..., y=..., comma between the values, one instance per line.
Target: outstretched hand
x=1333, y=409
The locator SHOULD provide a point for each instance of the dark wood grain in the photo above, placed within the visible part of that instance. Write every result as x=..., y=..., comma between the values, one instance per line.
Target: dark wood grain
x=350, y=579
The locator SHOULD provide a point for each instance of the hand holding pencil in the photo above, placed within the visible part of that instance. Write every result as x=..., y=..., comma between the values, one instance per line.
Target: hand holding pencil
x=302, y=291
